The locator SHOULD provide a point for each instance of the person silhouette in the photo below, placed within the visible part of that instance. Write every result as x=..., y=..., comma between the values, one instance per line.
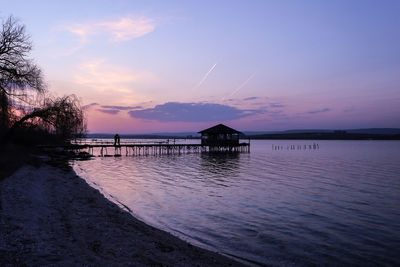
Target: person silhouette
x=116, y=140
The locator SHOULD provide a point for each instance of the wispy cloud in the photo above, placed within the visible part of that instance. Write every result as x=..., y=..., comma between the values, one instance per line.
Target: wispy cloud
x=192, y=112
x=276, y=105
x=109, y=111
x=102, y=76
x=122, y=107
x=127, y=28
x=204, y=77
x=90, y=105
x=250, y=98
x=122, y=29
x=318, y=111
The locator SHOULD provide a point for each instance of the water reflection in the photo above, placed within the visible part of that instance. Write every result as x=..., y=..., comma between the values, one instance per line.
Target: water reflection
x=336, y=205
x=220, y=165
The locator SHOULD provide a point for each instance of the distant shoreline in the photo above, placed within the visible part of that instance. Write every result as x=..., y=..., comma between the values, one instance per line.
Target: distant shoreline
x=324, y=136
x=291, y=136
x=310, y=134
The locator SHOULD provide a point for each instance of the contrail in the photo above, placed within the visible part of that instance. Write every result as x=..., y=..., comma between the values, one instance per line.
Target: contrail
x=241, y=86
x=204, y=78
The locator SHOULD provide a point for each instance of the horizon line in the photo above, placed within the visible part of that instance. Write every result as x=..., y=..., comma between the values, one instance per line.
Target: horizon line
x=303, y=129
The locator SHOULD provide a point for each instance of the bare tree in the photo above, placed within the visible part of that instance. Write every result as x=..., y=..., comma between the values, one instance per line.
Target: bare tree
x=21, y=82
x=18, y=73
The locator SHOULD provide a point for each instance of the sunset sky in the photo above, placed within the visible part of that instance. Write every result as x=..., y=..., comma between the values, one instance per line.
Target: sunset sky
x=170, y=66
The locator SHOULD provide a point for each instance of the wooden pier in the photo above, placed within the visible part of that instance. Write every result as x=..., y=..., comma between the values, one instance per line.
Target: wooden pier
x=217, y=139
x=108, y=149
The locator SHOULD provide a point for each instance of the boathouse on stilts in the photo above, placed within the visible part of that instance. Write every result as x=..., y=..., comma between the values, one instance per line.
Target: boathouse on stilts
x=221, y=138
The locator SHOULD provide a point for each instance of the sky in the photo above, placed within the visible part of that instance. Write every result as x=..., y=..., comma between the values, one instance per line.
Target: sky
x=174, y=66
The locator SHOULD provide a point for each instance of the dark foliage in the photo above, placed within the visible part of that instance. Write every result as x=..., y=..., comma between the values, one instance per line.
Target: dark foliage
x=26, y=114
x=18, y=73
x=61, y=116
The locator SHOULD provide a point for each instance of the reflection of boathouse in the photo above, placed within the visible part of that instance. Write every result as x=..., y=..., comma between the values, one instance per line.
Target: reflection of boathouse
x=220, y=135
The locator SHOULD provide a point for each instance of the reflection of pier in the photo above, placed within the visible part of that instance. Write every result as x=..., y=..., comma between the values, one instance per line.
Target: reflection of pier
x=153, y=149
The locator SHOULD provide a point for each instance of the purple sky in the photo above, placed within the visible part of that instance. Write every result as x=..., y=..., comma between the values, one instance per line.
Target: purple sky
x=152, y=66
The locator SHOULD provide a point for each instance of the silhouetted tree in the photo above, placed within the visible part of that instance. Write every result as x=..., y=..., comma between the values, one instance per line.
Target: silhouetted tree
x=18, y=73
x=61, y=116
x=23, y=101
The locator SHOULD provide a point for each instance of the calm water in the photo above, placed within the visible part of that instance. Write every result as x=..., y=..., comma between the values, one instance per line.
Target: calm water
x=338, y=205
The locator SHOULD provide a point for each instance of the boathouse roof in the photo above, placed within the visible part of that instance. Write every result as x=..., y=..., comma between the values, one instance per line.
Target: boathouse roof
x=220, y=129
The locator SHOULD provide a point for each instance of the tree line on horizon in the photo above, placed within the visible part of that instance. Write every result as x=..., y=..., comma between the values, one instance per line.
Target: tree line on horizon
x=29, y=114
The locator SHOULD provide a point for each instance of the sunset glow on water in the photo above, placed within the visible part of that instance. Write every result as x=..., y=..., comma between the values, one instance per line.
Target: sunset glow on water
x=335, y=205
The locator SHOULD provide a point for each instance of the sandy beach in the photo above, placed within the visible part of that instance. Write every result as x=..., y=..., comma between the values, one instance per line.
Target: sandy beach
x=50, y=216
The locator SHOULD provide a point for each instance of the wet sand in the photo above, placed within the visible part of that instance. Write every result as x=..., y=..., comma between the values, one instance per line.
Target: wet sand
x=53, y=217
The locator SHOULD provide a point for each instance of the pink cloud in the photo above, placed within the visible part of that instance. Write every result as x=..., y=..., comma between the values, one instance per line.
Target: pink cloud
x=123, y=29
x=112, y=83
x=127, y=28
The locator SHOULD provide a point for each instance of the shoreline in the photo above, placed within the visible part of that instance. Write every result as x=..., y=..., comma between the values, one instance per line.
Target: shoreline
x=53, y=216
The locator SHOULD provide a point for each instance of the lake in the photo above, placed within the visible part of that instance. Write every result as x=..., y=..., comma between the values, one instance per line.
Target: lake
x=335, y=205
